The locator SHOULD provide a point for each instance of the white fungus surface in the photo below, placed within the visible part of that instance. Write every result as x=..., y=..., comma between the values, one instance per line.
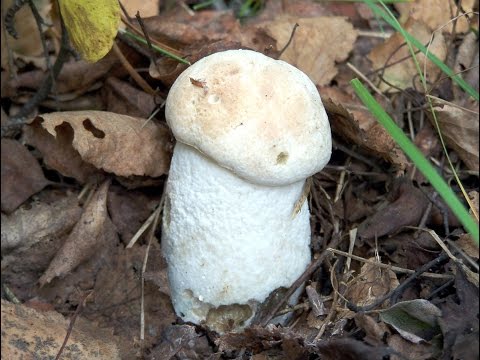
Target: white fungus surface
x=262, y=118
x=228, y=241
x=249, y=130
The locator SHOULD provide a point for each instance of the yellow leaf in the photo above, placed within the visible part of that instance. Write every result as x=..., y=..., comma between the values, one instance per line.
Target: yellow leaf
x=92, y=25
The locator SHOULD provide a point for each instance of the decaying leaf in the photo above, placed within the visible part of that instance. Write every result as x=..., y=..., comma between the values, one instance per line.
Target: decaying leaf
x=437, y=14
x=399, y=68
x=92, y=25
x=371, y=284
x=459, y=321
x=460, y=131
x=353, y=122
x=406, y=210
x=181, y=341
x=41, y=221
x=21, y=175
x=317, y=45
x=415, y=320
x=91, y=233
x=31, y=334
x=115, y=143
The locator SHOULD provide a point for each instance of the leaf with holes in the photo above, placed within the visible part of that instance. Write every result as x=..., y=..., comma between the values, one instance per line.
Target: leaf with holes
x=118, y=144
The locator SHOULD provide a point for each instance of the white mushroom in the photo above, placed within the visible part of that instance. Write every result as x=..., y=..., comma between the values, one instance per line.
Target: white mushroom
x=249, y=130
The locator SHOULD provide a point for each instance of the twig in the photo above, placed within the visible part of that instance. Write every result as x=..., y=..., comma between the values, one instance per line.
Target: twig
x=366, y=79
x=146, y=224
x=389, y=267
x=309, y=271
x=138, y=79
x=288, y=42
x=72, y=322
x=333, y=308
x=19, y=119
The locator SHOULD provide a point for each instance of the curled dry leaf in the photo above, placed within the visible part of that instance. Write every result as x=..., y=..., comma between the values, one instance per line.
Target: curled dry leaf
x=460, y=131
x=119, y=144
x=394, y=51
x=371, y=284
x=437, y=14
x=317, y=45
x=353, y=122
x=41, y=221
x=21, y=175
x=91, y=233
x=30, y=334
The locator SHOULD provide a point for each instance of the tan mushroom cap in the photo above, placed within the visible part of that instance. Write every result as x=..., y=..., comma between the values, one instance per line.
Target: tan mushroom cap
x=261, y=118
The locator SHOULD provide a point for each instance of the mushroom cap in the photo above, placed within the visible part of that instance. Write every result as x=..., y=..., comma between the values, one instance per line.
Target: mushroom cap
x=261, y=118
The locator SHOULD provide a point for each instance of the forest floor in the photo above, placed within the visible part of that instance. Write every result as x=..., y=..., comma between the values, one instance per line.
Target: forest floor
x=393, y=274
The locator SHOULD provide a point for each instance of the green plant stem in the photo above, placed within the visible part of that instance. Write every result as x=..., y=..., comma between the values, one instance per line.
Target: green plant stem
x=156, y=48
x=420, y=161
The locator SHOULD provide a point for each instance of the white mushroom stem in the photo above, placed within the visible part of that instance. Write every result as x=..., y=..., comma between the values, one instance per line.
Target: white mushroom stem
x=228, y=242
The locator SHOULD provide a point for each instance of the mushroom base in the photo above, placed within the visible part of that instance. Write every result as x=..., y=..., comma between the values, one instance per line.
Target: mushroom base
x=229, y=243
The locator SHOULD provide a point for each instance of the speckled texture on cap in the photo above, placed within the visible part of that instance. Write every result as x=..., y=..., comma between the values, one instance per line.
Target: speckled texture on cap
x=261, y=118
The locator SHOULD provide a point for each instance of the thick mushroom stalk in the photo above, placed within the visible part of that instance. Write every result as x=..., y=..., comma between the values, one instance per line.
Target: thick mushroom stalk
x=249, y=131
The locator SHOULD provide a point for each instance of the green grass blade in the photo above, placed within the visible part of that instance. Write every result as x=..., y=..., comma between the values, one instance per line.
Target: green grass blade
x=419, y=160
x=409, y=38
x=156, y=48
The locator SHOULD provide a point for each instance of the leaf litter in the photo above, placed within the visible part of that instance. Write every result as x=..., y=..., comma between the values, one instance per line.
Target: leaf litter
x=89, y=178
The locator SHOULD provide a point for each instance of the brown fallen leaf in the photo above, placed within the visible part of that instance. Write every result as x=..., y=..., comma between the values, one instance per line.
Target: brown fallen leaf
x=41, y=221
x=374, y=331
x=91, y=233
x=437, y=14
x=353, y=122
x=117, y=294
x=76, y=78
x=181, y=341
x=122, y=98
x=21, y=175
x=394, y=51
x=115, y=143
x=371, y=284
x=317, y=45
x=406, y=210
x=460, y=130
x=411, y=351
x=128, y=210
x=30, y=334
x=58, y=152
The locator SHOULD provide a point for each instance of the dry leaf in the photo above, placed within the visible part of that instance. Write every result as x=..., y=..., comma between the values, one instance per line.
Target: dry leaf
x=460, y=131
x=21, y=175
x=467, y=244
x=120, y=144
x=30, y=334
x=91, y=233
x=145, y=8
x=58, y=153
x=354, y=123
x=437, y=13
x=371, y=284
x=406, y=210
x=394, y=51
x=41, y=221
x=317, y=45
x=122, y=98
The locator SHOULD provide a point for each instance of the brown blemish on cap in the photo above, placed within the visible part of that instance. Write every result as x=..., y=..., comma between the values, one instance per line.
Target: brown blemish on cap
x=282, y=157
